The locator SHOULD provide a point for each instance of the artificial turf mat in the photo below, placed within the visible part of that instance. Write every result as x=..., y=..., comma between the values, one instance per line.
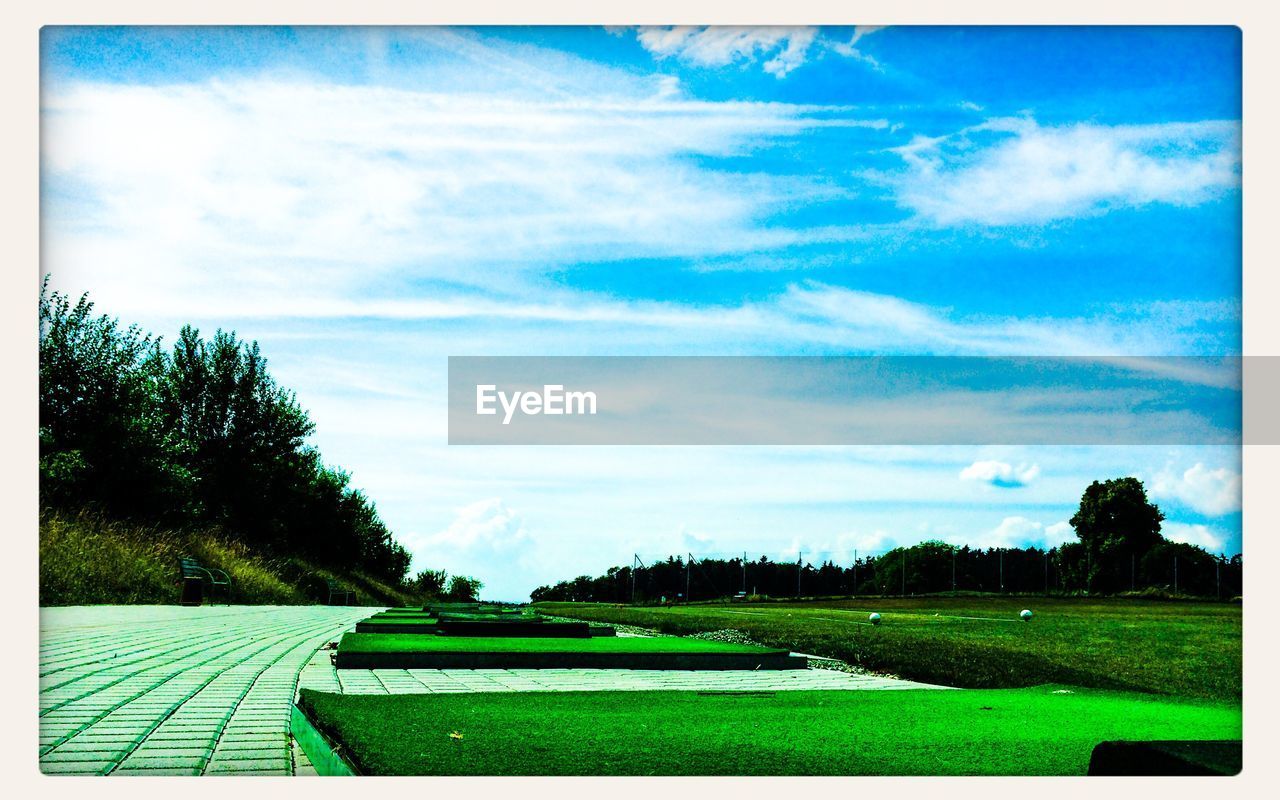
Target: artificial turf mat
x=398, y=643
x=414, y=651
x=908, y=732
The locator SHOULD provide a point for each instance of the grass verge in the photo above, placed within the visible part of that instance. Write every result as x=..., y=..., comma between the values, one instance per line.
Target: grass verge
x=911, y=732
x=85, y=560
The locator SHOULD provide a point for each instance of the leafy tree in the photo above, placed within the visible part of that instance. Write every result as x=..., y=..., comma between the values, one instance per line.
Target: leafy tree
x=464, y=588
x=1117, y=525
x=430, y=583
x=200, y=434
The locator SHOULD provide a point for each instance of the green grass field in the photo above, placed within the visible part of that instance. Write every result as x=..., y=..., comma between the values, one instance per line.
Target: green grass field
x=911, y=732
x=414, y=643
x=1179, y=648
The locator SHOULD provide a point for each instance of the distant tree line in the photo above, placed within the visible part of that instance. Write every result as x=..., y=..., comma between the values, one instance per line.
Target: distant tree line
x=1120, y=549
x=198, y=433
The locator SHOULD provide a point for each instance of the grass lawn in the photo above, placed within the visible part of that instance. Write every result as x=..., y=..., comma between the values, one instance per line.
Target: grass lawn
x=1171, y=647
x=408, y=642
x=912, y=732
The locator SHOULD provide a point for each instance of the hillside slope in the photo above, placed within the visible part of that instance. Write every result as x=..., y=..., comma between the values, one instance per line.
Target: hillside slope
x=87, y=560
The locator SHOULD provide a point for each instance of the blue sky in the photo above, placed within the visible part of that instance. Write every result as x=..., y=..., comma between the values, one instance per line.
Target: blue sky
x=367, y=202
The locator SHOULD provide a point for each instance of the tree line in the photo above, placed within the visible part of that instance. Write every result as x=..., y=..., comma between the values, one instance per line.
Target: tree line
x=1119, y=549
x=194, y=434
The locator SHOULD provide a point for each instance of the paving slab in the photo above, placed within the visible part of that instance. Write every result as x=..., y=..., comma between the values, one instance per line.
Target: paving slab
x=320, y=674
x=168, y=690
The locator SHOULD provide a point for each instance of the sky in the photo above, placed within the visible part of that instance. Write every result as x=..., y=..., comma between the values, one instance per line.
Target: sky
x=366, y=202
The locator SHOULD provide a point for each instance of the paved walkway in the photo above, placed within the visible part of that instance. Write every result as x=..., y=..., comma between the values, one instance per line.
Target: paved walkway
x=166, y=690
x=320, y=674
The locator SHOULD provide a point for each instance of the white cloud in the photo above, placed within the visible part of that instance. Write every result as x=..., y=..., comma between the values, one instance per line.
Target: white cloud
x=1210, y=539
x=1014, y=171
x=850, y=49
x=1019, y=531
x=721, y=45
x=782, y=49
x=338, y=188
x=486, y=540
x=842, y=548
x=998, y=473
x=1214, y=492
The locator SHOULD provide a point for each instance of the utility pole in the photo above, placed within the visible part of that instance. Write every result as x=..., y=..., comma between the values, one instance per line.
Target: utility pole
x=744, y=571
x=1217, y=578
x=688, y=572
x=635, y=559
x=953, y=570
x=799, y=571
x=1046, y=573
x=904, y=572
x=855, y=571
x=1002, y=569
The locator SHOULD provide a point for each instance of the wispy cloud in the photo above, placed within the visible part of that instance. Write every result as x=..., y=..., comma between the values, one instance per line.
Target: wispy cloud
x=314, y=184
x=779, y=50
x=1016, y=172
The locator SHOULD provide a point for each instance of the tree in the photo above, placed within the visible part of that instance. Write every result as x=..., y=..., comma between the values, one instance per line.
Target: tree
x=196, y=436
x=1117, y=525
x=462, y=587
x=429, y=583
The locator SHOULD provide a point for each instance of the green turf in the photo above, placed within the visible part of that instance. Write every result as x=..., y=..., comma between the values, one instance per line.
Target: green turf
x=1180, y=648
x=909, y=732
x=403, y=619
x=413, y=643
x=373, y=625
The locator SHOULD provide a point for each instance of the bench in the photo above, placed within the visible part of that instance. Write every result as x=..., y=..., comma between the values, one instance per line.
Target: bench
x=339, y=595
x=196, y=577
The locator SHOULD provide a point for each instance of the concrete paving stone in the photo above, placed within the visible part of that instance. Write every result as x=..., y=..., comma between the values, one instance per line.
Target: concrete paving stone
x=168, y=680
x=251, y=745
x=97, y=756
x=75, y=767
x=233, y=770
x=155, y=772
x=279, y=758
